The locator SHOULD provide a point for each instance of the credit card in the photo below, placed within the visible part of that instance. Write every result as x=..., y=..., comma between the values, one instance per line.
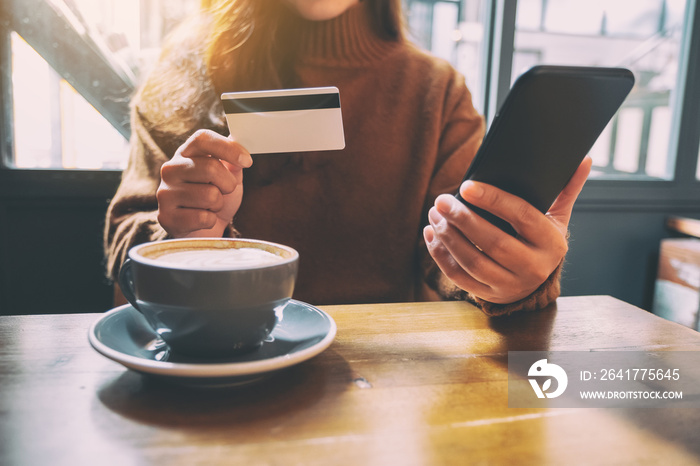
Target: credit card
x=286, y=120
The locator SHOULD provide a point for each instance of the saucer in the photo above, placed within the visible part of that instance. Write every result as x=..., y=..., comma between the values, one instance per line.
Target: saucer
x=123, y=335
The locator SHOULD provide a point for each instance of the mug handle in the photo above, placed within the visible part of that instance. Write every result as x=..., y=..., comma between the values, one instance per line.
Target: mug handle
x=126, y=282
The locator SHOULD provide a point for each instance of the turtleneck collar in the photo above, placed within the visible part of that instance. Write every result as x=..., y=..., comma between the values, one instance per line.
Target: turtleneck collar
x=346, y=40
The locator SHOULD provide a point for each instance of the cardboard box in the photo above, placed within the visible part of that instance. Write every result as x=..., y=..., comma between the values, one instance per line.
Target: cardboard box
x=677, y=288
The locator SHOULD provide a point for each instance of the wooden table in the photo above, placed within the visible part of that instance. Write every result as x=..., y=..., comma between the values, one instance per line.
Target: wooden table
x=405, y=384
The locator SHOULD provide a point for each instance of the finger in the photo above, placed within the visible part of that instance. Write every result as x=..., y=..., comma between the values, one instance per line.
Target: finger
x=236, y=171
x=475, y=262
x=530, y=224
x=564, y=204
x=450, y=267
x=210, y=143
x=507, y=251
x=193, y=196
x=207, y=170
x=184, y=220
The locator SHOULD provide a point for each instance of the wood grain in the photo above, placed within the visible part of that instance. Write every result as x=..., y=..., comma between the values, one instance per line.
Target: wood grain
x=406, y=384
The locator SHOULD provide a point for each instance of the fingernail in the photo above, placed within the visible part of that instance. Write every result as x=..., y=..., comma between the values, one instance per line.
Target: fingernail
x=428, y=234
x=434, y=216
x=472, y=189
x=443, y=204
x=245, y=160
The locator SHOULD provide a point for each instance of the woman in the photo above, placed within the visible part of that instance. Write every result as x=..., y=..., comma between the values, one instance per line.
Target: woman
x=358, y=217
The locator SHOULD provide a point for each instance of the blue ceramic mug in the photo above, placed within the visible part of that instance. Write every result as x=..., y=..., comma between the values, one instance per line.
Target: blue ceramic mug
x=210, y=297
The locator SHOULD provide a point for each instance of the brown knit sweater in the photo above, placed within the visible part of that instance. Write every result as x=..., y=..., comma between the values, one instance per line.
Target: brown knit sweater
x=356, y=215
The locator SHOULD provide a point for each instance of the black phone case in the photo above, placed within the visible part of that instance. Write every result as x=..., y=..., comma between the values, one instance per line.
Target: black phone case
x=548, y=122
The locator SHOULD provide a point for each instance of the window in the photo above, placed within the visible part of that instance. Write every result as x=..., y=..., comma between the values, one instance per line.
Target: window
x=650, y=37
x=644, y=36
x=453, y=30
x=54, y=126
x=75, y=64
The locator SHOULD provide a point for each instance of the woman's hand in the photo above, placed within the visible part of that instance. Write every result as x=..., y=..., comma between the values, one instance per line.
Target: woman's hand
x=488, y=262
x=201, y=187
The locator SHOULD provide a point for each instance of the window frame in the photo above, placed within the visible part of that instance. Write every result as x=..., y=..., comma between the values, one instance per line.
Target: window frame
x=61, y=183
x=682, y=189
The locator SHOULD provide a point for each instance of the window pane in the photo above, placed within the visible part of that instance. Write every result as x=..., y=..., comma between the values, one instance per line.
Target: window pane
x=470, y=59
x=644, y=36
x=56, y=127
x=453, y=30
x=34, y=107
x=133, y=30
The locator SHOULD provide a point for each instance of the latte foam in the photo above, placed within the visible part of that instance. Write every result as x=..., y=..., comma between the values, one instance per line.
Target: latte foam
x=221, y=258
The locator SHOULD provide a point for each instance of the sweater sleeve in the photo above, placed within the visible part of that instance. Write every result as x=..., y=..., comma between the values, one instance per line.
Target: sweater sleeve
x=540, y=298
x=462, y=135
x=132, y=213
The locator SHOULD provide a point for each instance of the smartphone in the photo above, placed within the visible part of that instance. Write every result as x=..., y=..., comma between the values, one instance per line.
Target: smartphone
x=547, y=124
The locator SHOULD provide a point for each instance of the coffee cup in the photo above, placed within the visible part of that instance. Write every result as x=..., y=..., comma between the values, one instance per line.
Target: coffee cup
x=210, y=297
